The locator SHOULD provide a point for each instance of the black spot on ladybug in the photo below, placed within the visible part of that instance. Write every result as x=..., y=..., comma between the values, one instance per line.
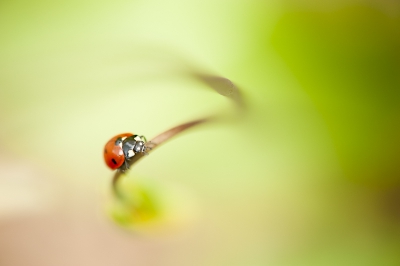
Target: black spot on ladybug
x=113, y=160
x=105, y=151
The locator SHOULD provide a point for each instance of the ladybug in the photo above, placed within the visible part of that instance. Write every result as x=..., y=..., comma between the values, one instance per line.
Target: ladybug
x=119, y=149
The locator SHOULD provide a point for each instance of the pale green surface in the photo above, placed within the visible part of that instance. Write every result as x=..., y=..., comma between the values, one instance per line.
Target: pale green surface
x=309, y=177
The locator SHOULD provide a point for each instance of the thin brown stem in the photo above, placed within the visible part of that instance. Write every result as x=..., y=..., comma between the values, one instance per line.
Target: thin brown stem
x=157, y=141
x=221, y=85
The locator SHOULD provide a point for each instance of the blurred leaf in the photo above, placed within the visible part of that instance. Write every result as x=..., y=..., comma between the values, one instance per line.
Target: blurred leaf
x=348, y=61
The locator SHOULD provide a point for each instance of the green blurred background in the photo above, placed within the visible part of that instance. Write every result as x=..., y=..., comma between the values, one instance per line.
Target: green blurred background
x=309, y=176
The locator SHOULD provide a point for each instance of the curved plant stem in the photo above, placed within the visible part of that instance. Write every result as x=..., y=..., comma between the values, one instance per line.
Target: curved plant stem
x=157, y=141
x=221, y=85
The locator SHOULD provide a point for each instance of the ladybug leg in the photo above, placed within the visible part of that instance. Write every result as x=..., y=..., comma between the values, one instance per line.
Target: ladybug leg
x=123, y=168
x=143, y=138
x=126, y=164
x=126, y=155
x=150, y=145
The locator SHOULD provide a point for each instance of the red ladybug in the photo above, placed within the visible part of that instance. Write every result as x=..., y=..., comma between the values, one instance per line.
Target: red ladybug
x=119, y=149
